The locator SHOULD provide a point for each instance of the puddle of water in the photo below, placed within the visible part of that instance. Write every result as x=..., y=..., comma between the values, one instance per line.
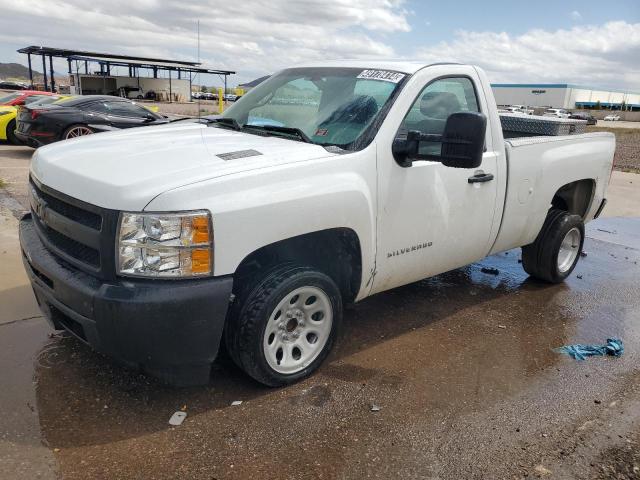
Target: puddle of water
x=443, y=348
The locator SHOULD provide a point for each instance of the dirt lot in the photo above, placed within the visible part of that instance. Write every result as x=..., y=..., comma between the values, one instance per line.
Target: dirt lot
x=206, y=107
x=462, y=366
x=627, y=157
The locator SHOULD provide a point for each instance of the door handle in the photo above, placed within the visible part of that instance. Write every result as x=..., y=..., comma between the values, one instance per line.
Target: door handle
x=480, y=178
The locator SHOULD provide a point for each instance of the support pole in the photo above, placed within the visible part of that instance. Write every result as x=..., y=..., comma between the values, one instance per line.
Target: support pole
x=53, y=80
x=70, y=73
x=170, y=94
x=225, y=88
x=30, y=70
x=155, y=72
x=44, y=72
x=86, y=67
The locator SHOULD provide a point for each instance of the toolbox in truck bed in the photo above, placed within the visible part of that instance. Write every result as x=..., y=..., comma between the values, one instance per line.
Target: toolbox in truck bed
x=521, y=125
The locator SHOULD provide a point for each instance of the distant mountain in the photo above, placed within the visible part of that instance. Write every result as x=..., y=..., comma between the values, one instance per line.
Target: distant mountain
x=15, y=71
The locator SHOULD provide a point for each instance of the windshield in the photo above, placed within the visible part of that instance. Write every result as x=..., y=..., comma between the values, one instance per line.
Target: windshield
x=8, y=98
x=329, y=106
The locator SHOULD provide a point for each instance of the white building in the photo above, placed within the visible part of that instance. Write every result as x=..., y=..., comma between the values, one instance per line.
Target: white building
x=563, y=95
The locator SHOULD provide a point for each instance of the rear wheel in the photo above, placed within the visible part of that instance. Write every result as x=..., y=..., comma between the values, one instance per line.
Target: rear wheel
x=283, y=327
x=11, y=135
x=556, y=250
x=76, y=131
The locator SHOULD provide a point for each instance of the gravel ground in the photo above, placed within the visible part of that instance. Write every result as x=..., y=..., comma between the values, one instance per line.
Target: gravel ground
x=627, y=157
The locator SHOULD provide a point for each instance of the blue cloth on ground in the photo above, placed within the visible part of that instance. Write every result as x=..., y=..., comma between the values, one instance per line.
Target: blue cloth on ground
x=613, y=347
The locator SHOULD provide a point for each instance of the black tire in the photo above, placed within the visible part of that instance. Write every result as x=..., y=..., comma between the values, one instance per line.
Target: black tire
x=252, y=309
x=540, y=259
x=11, y=136
x=71, y=127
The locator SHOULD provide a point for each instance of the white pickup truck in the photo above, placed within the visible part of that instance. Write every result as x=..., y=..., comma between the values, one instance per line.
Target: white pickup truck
x=324, y=185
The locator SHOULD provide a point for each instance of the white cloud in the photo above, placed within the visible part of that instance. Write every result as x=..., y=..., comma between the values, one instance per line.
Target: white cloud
x=607, y=55
x=259, y=37
x=576, y=16
x=249, y=37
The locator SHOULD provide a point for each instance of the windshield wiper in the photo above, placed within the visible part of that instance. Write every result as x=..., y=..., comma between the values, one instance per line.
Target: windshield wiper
x=286, y=130
x=227, y=121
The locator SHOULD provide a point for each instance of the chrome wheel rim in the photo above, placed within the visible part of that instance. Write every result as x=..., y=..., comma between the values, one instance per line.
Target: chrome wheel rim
x=569, y=249
x=298, y=330
x=79, y=132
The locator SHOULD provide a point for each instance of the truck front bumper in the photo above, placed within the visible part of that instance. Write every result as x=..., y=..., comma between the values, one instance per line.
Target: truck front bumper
x=170, y=329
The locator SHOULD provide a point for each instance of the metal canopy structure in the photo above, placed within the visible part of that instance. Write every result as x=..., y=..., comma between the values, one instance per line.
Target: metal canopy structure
x=106, y=61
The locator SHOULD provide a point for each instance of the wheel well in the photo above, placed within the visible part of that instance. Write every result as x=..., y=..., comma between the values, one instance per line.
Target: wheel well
x=575, y=197
x=334, y=252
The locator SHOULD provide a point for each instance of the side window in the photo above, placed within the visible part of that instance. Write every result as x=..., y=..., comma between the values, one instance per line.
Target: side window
x=436, y=102
x=96, y=107
x=126, y=109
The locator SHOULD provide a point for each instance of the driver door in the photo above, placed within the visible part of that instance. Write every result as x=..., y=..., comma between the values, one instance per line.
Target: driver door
x=431, y=219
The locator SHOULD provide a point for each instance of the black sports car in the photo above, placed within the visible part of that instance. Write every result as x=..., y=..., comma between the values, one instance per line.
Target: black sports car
x=591, y=120
x=77, y=116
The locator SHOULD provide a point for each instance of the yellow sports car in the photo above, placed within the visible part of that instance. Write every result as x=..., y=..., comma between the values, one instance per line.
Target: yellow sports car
x=8, y=117
x=8, y=124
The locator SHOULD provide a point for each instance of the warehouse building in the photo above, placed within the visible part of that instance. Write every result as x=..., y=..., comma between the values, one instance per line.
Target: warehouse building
x=564, y=95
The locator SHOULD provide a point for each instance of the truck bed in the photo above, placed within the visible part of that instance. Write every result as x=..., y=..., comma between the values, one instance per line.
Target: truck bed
x=537, y=167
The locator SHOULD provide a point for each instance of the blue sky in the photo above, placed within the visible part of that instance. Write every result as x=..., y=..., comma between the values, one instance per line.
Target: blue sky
x=587, y=42
x=513, y=16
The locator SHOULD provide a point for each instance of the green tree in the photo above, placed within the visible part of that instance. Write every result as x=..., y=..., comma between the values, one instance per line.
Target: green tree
x=598, y=106
x=203, y=89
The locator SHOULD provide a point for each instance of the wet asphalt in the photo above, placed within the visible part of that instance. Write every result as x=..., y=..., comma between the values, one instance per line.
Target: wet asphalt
x=461, y=367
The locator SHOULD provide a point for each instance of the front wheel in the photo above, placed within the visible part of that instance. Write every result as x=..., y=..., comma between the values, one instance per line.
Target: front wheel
x=556, y=250
x=11, y=135
x=76, y=131
x=281, y=329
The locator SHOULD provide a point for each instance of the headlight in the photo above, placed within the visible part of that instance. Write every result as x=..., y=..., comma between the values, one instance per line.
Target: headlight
x=165, y=244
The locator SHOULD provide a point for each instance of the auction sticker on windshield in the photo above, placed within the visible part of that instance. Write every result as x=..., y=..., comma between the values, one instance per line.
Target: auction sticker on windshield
x=384, y=75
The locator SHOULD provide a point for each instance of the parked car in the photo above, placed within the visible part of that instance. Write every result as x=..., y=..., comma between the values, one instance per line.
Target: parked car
x=21, y=97
x=132, y=92
x=522, y=109
x=556, y=112
x=78, y=116
x=613, y=117
x=157, y=244
x=8, y=85
x=8, y=115
x=591, y=120
x=230, y=97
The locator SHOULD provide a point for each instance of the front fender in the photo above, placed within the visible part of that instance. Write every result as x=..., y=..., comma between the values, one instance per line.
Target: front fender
x=257, y=208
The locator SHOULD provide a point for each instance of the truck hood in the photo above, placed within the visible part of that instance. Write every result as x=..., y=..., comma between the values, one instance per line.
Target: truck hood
x=125, y=170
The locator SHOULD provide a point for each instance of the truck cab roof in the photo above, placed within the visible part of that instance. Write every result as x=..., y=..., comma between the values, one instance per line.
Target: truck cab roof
x=404, y=66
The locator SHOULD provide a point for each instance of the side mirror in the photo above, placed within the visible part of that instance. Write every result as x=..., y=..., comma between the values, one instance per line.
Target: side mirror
x=406, y=148
x=462, y=142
